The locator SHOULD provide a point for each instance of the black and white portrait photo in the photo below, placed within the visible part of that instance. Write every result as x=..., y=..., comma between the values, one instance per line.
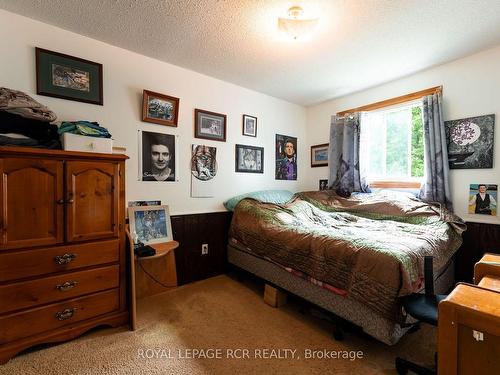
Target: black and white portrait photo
x=250, y=125
x=249, y=159
x=323, y=185
x=158, y=157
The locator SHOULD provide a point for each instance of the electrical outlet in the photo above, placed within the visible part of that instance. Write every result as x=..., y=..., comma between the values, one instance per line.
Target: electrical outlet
x=204, y=249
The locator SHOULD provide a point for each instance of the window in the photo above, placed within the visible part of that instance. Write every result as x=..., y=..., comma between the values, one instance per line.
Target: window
x=392, y=145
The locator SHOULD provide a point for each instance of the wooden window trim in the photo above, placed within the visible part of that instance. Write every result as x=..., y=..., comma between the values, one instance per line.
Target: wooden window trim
x=394, y=101
x=395, y=184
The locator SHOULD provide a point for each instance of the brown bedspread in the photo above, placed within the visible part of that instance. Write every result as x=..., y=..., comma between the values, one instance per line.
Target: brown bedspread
x=370, y=245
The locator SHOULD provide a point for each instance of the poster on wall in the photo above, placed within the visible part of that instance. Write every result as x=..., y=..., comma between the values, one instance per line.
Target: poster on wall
x=483, y=199
x=203, y=171
x=286, y=157
x=156, y=157
x=470, y=142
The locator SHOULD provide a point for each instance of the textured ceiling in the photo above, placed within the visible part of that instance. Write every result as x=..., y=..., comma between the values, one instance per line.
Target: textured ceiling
x=359, y=43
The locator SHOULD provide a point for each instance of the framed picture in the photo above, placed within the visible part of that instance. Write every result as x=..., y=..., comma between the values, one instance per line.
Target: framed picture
x=323, y=185
x=159, y=108
x=249, y=159
x=209, y=125
x=286, y=157
x=250, y=126
x=319, y=155
x=470, y=142
x=143, y=203
x=68, y=77
x=150, y=224
x=157, y=157
x=483, y=199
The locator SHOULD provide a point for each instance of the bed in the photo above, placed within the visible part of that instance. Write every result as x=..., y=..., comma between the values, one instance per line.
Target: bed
x=351, y=256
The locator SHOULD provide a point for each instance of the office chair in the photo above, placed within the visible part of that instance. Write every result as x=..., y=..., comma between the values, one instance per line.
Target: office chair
x=424, y=308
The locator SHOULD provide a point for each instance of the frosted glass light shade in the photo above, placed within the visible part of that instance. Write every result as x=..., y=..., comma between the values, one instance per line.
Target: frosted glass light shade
x=295, y=25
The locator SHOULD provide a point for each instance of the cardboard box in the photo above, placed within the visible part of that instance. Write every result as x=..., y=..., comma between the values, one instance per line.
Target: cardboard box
x=76, y=142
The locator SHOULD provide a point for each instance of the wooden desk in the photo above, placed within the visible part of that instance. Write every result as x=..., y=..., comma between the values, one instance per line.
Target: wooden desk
x=469, y=323
x=488, y=265
x=146, y=273
x=490, y=282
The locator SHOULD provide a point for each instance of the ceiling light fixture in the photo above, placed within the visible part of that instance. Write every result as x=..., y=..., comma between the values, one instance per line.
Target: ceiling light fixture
x=296, y=25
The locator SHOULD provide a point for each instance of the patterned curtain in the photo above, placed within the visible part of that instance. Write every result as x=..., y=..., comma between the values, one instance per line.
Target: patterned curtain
x=436, y=186
x=344, y=155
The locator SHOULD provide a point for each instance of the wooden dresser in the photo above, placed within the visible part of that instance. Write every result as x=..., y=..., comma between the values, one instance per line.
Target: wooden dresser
x=62, y=245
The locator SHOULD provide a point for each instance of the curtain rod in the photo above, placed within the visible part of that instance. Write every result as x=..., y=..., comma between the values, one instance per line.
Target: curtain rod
x=393, y=101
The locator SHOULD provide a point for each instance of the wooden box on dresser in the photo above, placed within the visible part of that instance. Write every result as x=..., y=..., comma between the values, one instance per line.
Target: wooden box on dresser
x=62, y=245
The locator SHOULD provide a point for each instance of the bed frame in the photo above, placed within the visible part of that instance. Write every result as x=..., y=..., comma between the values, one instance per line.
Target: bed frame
x=373, y=324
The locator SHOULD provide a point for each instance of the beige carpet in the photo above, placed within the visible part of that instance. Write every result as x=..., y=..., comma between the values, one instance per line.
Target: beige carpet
x=218, y=313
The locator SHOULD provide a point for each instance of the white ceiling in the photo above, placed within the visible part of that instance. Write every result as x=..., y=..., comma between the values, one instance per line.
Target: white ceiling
x=359, y=43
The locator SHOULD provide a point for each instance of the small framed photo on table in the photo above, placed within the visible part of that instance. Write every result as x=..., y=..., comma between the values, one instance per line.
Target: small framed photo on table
x=209, y=125
x=68, y=77
x=159, y=108
x=319, y=155
x=150, y=224
x=250, y=125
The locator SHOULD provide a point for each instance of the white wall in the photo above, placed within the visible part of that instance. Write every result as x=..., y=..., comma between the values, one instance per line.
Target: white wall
x=471, y=87
x=126, y=74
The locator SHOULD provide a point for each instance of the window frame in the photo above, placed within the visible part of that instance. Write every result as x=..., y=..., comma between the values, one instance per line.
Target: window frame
x=386, y=104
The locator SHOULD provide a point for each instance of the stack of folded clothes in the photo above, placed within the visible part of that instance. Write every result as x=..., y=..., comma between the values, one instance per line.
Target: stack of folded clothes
x=25, y=122
x=87, y=128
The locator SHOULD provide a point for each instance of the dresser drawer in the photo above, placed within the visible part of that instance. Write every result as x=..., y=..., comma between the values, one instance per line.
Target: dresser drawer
x=57, y=315
x=56, y=288
x=28, y=263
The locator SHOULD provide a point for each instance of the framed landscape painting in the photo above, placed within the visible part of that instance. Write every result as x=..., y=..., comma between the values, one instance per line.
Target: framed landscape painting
x=209, y=125
x=159, y=108
x=68, y=77
x=249, y=159
x=319, y=155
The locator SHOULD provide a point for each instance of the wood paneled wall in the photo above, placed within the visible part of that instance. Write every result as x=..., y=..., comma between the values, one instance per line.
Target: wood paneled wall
x=191, y=231
x=478, y=239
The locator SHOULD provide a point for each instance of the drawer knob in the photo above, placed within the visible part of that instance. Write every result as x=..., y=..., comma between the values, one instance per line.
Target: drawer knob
x=65, y=259
x=65, y=314
x=66, y=286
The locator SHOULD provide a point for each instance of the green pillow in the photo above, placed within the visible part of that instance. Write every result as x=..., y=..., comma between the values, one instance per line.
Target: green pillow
x=266, y=196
